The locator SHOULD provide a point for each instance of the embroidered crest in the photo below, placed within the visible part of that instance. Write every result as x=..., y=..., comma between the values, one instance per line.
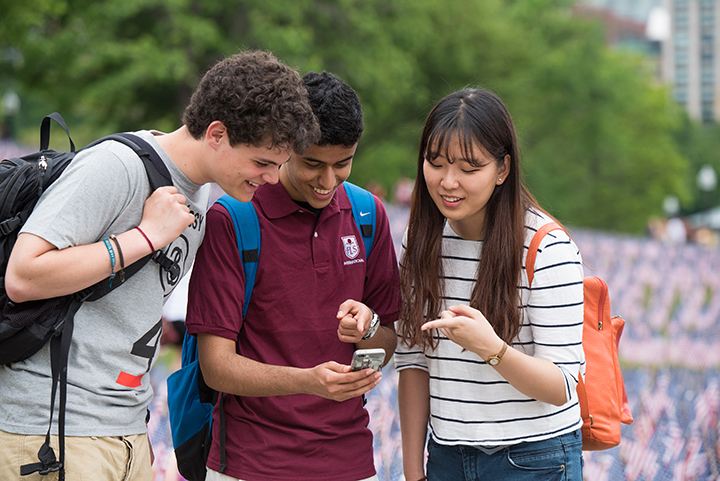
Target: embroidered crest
x=351, y=246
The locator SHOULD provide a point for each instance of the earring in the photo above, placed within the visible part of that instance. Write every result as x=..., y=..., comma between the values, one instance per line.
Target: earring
x=499, y=180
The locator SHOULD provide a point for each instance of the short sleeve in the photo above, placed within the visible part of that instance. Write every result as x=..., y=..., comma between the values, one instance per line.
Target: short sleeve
x=92, y=192
x=408, y=356
x=382, y=282
x=217, y=284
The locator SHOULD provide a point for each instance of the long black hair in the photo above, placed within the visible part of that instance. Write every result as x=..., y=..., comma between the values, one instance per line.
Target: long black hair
x=476, y=117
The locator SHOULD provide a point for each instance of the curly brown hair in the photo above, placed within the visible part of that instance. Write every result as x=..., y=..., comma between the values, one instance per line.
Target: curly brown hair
x=257, y=98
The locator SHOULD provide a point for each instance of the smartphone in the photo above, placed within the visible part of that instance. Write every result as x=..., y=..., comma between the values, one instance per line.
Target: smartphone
x=368, y=358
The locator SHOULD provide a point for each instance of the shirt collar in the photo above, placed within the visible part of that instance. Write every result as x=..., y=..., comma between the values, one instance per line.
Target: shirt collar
x=275, y=201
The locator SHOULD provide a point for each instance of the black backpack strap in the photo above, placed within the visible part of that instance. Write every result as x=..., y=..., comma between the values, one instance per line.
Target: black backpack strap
x=157, y=171
x=158, y=176
x=59, y=354
x=102, y=288
x=45, y=130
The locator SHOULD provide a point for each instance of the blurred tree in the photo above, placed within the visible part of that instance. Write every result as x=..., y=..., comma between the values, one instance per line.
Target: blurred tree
x=19, y=17
x=16, y=20
x=597, y=134
x=701, y=144
x=115, y=65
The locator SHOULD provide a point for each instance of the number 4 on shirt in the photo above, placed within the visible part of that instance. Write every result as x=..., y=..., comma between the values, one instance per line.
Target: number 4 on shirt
x=144, y=347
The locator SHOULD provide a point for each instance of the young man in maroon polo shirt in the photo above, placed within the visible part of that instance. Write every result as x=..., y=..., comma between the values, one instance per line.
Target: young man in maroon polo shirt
x=296, y=412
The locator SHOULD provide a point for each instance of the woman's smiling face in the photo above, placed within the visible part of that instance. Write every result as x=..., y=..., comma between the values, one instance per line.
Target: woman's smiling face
x=460, y=182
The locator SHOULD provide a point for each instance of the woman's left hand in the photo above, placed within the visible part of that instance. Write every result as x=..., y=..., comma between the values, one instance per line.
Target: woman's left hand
x=468, y=328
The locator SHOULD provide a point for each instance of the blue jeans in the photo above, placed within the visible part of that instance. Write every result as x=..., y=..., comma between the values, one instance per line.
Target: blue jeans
x=555, y=459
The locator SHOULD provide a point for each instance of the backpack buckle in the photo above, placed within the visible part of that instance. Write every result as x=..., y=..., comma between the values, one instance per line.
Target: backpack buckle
x=48, y=462
x=56, y=466
x=171, y=266
x=40, y=468
x=9, y=225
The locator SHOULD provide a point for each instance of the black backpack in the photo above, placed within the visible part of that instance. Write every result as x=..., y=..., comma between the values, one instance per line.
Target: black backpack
x=26, y=327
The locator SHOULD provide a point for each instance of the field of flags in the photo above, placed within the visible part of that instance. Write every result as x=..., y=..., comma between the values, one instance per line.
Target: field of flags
x=669, y=296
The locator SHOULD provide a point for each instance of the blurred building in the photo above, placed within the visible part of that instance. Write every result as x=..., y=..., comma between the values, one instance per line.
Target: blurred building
x=628, y=24
x=691, y=56
x=681, y=36
x=637, y=10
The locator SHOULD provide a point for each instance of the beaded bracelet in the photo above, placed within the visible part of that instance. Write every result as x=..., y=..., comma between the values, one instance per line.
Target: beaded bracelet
x=111, y=252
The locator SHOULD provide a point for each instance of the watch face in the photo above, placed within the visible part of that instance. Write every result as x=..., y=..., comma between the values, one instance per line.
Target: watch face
x=493, y=361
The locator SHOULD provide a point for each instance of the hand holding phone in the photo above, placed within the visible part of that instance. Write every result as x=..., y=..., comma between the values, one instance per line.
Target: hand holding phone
x=367, y=358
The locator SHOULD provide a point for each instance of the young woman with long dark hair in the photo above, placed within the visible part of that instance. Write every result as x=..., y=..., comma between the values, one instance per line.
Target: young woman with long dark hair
x=487, y=361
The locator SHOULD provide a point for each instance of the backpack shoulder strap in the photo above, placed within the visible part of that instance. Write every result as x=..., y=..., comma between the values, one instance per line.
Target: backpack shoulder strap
x=363, y=209
x=157, y=171
x=158, y=176
x=533, y=249
x=247, y=233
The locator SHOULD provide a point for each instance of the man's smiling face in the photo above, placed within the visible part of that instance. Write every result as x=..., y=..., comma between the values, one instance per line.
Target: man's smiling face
x=314, y=176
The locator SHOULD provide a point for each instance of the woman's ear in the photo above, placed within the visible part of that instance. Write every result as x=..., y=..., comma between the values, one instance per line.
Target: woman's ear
x=504, y=170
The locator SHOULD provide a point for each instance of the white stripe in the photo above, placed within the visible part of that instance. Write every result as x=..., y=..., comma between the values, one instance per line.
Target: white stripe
x=550, y=333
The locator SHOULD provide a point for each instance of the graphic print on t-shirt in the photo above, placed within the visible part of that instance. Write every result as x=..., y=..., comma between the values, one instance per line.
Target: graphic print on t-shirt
x=177, y=252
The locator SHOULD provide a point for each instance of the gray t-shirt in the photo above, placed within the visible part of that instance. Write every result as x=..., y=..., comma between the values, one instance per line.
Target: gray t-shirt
x=102, y=192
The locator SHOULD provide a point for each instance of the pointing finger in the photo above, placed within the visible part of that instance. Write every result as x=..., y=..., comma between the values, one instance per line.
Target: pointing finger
x=345, y=308
x=464, y=310
x=438, y=324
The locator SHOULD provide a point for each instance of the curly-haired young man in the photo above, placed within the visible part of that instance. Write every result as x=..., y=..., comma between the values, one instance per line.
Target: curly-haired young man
x=248, y=113
x=295, y=409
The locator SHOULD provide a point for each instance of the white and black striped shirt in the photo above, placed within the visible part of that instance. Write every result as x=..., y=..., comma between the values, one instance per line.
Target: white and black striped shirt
x=470, y=403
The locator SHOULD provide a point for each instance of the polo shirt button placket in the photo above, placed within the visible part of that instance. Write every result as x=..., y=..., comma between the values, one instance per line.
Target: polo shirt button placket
x=320, y=254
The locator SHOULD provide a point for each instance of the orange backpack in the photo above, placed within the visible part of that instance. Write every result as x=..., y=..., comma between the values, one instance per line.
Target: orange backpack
x=603, y=400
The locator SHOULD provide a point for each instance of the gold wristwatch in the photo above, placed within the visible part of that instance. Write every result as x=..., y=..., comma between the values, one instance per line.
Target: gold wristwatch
x=494, y=360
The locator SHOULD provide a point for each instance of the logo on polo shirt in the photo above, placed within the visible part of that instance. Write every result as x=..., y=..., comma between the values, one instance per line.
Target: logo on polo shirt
x=351, y=246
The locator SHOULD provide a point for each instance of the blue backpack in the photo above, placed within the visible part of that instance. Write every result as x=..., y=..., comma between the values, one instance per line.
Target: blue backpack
x=190, y=401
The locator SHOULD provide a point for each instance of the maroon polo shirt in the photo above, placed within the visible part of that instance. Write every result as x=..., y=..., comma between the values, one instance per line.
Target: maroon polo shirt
x=308, y=266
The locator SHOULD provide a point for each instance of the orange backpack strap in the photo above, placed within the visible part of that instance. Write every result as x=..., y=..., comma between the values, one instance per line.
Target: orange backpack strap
x=533, y=249
x=582, y=398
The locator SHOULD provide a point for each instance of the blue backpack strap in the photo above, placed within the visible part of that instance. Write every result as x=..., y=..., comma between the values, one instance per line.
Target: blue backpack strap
x=363, y=209
x=248, y=243
x=190, y=414
x=247, y=233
